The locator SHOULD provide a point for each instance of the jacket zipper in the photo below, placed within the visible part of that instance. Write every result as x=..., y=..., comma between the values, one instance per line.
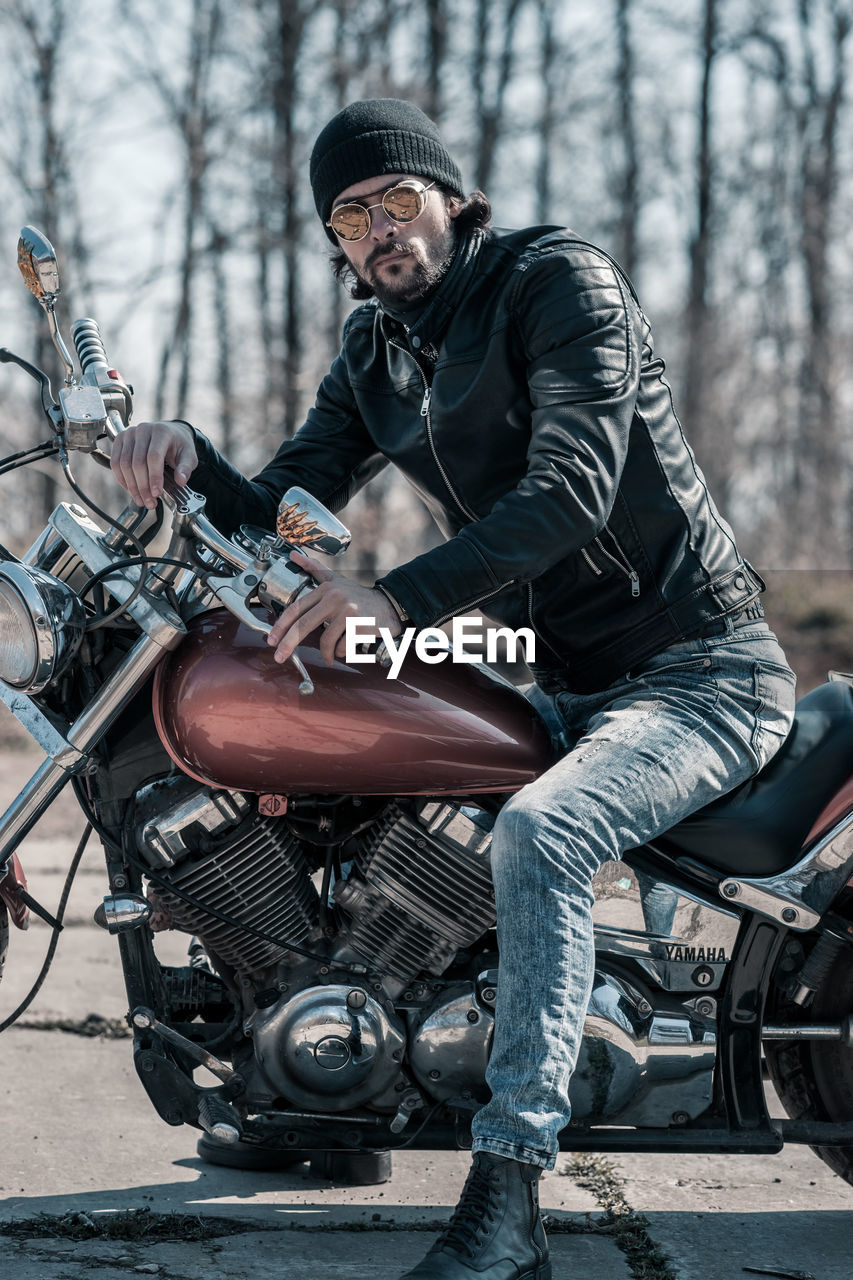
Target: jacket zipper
x=425, y=404
x=471, y=604
x=598, y=572
x=623, y=564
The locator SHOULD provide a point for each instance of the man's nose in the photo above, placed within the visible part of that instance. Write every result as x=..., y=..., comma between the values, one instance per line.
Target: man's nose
x=381, y=226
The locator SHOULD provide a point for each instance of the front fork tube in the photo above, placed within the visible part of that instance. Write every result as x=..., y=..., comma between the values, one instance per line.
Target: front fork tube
x=740, y=1085
x=45, y=785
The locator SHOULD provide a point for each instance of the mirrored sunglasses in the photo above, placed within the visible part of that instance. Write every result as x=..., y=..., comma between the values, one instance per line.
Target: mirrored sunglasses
x=402, y=203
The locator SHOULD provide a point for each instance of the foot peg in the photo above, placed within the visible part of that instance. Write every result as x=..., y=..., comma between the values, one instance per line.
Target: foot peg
x=219, y=1119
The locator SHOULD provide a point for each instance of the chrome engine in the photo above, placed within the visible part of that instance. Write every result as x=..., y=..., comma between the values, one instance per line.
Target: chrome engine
x=378, y=1024
x=255, y=871
x=420, y=890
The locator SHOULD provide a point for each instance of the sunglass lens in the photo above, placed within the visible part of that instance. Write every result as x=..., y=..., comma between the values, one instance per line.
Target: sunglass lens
x=403, y=204
x=350, y=221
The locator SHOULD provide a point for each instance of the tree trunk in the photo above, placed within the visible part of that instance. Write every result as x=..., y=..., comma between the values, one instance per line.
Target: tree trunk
x=712, y=451
x=629, y=187
x=823, y=491
x=489, y=107
x=548, y=111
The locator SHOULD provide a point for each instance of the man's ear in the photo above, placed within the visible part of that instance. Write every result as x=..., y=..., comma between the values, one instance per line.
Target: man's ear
x=454, y=206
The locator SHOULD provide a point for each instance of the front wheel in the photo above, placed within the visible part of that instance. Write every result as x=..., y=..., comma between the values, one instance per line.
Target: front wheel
x=814, y=1078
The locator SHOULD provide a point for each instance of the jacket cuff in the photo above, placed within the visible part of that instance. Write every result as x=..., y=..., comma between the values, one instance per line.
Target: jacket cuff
x=401, y=612
x=443, y=582
x=208, y=457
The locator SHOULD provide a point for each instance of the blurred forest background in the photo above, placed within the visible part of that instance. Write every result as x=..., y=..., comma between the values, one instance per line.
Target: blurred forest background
x=706, y=144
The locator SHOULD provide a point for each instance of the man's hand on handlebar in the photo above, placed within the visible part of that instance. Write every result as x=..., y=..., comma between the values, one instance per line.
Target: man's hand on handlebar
x=140, y=453
x=333, y=600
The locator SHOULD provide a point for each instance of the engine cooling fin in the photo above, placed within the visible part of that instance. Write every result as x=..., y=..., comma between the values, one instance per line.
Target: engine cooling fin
x=261, y=876
x=421, y=890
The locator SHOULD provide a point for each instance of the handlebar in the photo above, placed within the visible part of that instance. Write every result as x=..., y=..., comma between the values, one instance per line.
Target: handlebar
x=99, y=403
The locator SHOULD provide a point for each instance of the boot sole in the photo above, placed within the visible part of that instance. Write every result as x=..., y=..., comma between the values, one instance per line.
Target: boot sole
x=542, y=1272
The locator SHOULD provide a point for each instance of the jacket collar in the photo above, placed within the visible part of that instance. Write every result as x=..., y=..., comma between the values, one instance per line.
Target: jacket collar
x=428, y=327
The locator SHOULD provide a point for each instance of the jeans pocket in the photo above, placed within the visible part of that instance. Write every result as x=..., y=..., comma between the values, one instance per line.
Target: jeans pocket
x=670, y=663
x=775, y=693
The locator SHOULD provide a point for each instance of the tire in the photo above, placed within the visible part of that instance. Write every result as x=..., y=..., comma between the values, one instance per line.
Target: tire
x=814, y=1079
x=344, y=1168
x=245, y=1155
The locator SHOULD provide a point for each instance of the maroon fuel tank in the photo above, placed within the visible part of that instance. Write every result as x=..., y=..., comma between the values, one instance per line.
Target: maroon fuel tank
x=229, y=715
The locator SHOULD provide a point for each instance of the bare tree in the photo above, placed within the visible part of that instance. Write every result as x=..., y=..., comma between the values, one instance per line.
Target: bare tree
x=551, y=57
x=490, y=80
x=288, y=184
x=37, y=156
x=823, y=487
x=796, y=201
x=629, y=186
x=437, y=20
x=217, y=255
x=713, y=452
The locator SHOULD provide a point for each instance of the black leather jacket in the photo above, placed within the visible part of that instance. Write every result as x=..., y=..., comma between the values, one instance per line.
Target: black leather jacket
x=527, y=408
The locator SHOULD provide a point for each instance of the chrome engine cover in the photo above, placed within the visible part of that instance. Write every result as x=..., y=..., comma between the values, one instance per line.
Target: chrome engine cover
x=643, y=1064
x=329, y=1047
x=651, y=1065
x=451, y=1045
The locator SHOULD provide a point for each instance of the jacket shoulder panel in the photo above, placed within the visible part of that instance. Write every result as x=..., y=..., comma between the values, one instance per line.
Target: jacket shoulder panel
x=570, y=303
x=360, y=320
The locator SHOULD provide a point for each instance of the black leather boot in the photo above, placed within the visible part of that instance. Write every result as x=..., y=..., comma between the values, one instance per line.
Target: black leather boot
x=495, y=1232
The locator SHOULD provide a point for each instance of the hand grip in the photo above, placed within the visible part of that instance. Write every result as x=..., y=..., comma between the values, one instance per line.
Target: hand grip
x=90, y=348
x=93, y=364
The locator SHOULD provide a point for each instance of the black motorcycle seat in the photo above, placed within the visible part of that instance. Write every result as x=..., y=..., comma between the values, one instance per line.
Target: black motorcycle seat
x=759, y=828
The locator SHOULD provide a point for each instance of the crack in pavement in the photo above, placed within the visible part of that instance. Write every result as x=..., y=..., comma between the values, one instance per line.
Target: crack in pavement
x=629, y=1229
x=146, y=1226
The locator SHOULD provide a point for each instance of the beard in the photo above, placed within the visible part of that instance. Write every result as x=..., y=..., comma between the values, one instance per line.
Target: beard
x=408, y=273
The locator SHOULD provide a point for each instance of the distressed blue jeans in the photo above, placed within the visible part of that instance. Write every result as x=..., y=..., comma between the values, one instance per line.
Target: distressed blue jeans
x=664, y=740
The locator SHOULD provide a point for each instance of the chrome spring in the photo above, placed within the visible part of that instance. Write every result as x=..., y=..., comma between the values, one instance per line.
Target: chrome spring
x=88, y=343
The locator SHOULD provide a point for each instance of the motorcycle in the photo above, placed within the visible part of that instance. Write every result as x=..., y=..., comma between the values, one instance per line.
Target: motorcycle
x=322, y=835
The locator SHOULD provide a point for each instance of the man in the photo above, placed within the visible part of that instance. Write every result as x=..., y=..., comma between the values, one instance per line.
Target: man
x=511, y=377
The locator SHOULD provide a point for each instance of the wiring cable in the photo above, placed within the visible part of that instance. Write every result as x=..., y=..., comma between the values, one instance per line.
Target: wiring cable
x=130, y=562
x=93, y=506
x=56, y=930
x=25, y=456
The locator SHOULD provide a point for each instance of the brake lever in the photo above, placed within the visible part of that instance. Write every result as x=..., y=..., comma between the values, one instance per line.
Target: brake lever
x=51, y=408
x=236, y=601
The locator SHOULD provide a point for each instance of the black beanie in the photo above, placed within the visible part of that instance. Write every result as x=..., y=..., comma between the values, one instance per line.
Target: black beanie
x=376, y=136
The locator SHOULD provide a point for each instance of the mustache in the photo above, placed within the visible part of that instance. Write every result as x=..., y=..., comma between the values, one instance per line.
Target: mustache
x=385, y=251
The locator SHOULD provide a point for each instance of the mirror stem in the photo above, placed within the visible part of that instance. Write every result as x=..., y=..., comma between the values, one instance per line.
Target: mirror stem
x=58, y=342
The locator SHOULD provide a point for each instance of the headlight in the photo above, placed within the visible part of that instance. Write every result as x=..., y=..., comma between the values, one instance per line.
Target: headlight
x=41, y=626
